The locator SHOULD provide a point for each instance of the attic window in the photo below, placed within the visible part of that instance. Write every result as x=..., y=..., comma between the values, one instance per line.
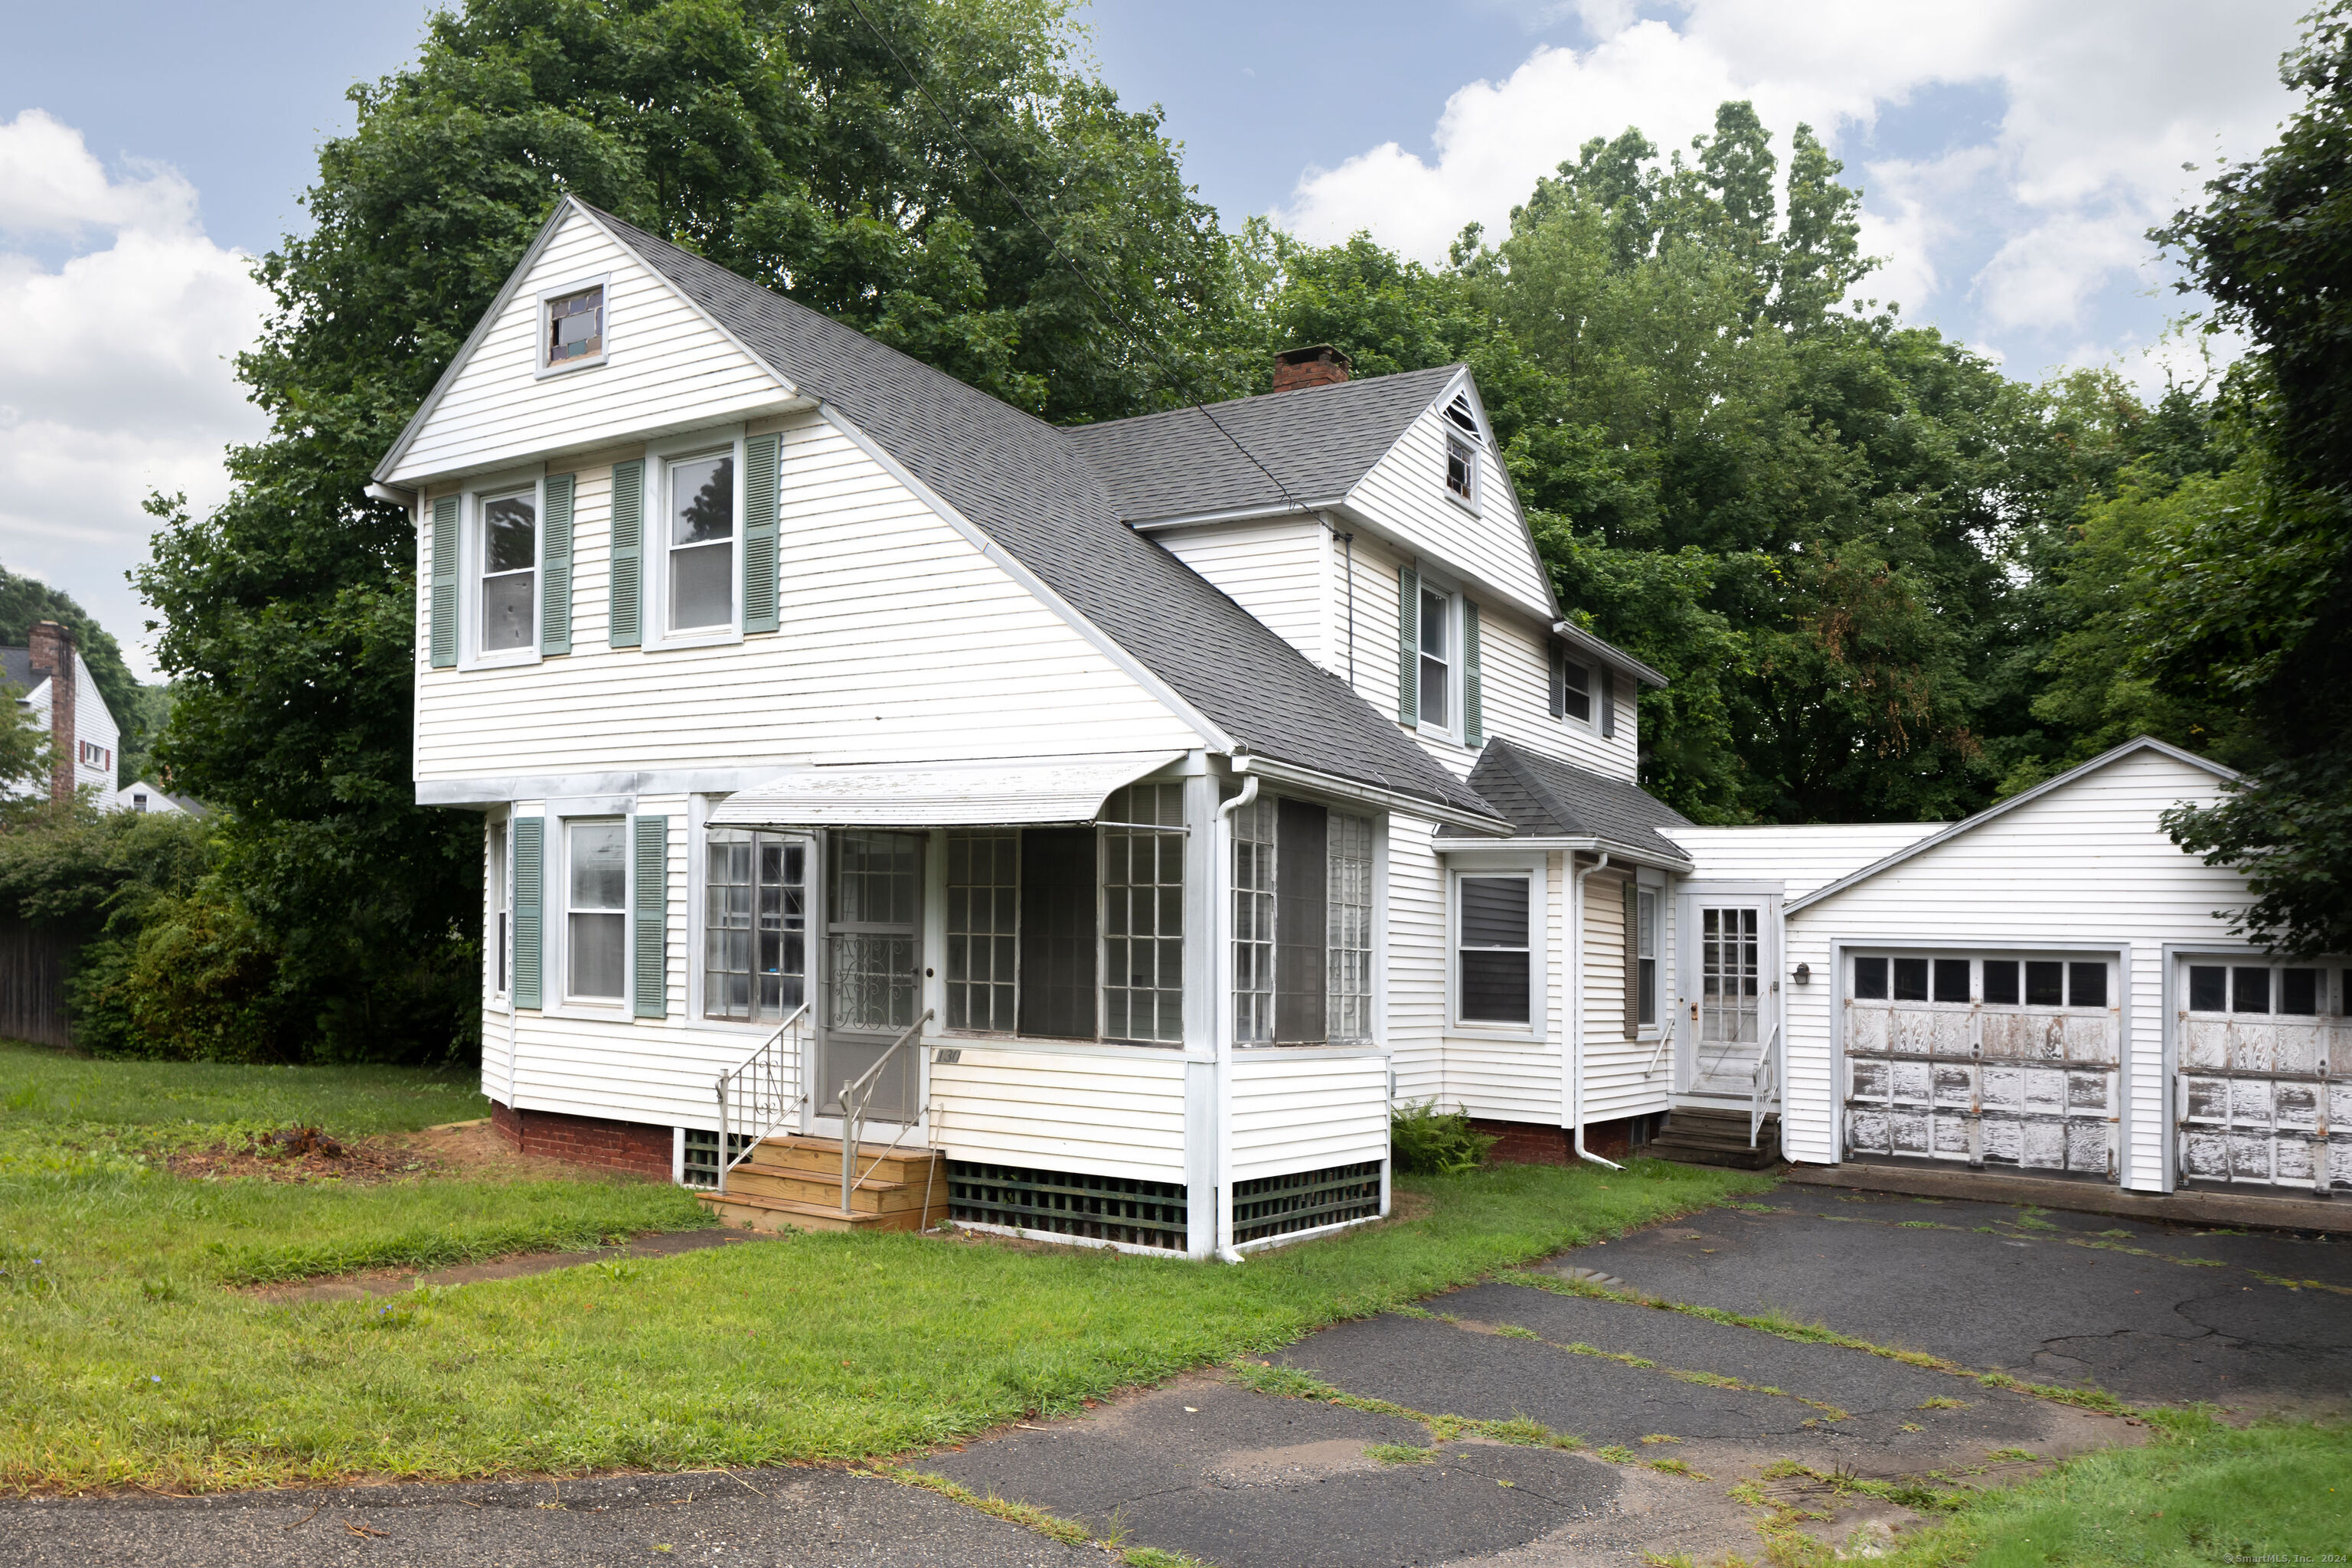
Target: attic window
x=1461, y=471
x=575, y=333
x=1459, y=412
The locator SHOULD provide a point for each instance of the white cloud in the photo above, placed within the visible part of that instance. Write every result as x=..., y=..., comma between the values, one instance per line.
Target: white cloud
x=2025, y=229
x=115, y=375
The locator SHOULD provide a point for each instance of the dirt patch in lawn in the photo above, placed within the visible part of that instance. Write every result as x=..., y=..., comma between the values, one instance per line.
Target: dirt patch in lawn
x=393, y=1281
x=468, y=1150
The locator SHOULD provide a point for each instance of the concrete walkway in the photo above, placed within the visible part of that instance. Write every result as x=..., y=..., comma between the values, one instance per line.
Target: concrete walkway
x=1673, y=1410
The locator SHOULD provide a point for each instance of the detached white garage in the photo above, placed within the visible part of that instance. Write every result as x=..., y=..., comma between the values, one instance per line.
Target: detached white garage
x=2048, y=988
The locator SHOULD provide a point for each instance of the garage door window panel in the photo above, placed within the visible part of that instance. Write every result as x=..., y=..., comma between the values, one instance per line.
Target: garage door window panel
x=2264, y=1092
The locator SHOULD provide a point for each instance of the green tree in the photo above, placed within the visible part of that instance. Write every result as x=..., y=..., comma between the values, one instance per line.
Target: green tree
x=2253, y=604
x=138, y=709
x=783, y=140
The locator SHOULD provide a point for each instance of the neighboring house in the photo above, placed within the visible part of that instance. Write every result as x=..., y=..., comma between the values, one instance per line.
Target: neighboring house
x=1138, y=811
x=150, y=796
x=54, y=684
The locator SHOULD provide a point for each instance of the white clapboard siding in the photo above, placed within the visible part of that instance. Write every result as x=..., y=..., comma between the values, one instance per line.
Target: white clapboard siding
x=1616, y=1080
x=1307, y=1110
x=1416, y=977
x=1404, y=494
x=625, y=1070
x=1107, y=1113
x=665, y=364
x=1514, y=667
x=899, y=642
x=1278, y=571
x=2086, y=864
x=1520, y=1079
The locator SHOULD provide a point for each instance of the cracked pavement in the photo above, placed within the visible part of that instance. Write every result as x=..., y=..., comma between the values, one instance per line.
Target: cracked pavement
x=1209, y=1466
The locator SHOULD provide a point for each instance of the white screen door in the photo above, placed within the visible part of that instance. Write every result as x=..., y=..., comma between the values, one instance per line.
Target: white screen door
x=1724, y=980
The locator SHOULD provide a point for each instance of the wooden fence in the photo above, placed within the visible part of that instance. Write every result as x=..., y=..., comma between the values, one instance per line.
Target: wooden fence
x=32, y=985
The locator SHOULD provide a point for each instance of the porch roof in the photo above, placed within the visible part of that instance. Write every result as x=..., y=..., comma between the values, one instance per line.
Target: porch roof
x=1548, y=799
x=1047, y=792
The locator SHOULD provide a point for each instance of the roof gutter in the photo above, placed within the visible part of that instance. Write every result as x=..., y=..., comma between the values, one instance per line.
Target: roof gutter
x=1624, y=854
x=1247, y=764
x=1576, y=636
x=1233, y=514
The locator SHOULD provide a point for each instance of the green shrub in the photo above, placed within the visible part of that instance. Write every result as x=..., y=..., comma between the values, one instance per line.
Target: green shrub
x=1426, y=1141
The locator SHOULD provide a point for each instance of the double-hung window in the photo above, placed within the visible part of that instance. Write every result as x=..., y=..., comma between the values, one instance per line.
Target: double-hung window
x=699, y=537
x=572, y=327
x=507, y=616
x=1493, y=949
x=1302, y=939
x=755, y=924
x=1436, y=660
x=1646, y=951
x=596, y=893
x=501, y=909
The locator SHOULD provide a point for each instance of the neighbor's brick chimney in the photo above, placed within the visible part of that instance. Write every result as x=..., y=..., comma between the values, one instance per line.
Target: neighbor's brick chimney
x=1321, y=366
x=52, y=650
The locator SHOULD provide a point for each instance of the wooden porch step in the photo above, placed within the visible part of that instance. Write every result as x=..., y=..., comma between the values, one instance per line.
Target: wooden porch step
x=821, y=1157
x=1697, y=1137
x=822, y=1188
x=743, y=1211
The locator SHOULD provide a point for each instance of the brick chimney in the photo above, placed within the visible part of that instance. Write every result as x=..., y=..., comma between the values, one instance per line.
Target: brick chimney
x=52, y=650
x=1321, y=366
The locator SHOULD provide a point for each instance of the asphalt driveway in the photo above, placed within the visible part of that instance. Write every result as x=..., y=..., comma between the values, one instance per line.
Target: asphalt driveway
x=1669, y=1409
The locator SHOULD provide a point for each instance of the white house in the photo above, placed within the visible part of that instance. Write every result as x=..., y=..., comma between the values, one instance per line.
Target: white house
x=1126, y=816
x=54, y=685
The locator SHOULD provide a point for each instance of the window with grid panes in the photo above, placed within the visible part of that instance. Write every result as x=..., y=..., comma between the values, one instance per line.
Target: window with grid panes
x=1350, y=965
x=755, y=926
x=1143, y=913
x=984, y=897
x=1254, y=830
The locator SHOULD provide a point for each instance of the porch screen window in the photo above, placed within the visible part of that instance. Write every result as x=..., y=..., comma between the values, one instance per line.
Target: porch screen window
x=1436, y=685
x=983, y=889
x=1143, y=914
x=755, y=931
x=510, y=571
x=1350, y=1013
x=596, y=918
x=873, y=971
x=1253, y=844
x=702, y=543
x=1493, y=965
x=1057, y=933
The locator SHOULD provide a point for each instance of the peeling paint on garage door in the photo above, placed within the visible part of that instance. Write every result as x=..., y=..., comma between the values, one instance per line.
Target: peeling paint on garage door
x=2265, y=1072
x=1986, y=1059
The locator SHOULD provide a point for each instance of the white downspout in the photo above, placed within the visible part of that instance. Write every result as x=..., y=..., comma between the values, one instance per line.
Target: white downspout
x=1576, y=1003
x=1221, y=962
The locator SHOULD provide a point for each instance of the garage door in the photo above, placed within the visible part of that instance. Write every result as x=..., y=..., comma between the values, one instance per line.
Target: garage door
x=2265, y=1066
x=1983, y=1059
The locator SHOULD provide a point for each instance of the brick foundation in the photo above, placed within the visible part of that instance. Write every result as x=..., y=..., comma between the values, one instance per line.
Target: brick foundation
x=586, y=1139
x=1529, y=1143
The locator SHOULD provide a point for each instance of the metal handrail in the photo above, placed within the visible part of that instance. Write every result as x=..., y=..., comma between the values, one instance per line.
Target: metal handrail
x=856, y=1094
x=1664, y=1036
x=762, y=1084
x=1767, y=1085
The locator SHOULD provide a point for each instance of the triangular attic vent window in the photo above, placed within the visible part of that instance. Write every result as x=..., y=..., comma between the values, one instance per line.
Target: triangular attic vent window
x=1459, y=412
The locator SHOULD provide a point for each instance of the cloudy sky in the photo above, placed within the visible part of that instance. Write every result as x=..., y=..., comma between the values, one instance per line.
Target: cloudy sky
x=2012, y=153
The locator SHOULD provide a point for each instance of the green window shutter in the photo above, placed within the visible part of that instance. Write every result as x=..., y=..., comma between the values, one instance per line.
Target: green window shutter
x=555, y=570
x=445, y=582
x=625, y=625
x=759, y=497
x=649, y=920
x=1607, y=703
x=529, y=875
x=1408, y=646
x=1474, y=714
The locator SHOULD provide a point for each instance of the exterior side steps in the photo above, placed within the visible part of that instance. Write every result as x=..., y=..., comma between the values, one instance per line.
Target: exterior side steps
x=795, y=1182
x=1696, y=1137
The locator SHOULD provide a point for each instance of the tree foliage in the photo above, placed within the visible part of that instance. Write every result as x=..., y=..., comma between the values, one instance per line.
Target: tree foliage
x=2251, y=603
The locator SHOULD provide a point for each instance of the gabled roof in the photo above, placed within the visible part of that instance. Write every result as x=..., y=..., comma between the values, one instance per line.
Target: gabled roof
x=1027, y=484
x=1318, y=441
x=1970, y=824
x=1547, y=798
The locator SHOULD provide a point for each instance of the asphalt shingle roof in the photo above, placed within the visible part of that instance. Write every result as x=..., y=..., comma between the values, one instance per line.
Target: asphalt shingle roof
x=1030, y=487
x=1318, y=441
x=16, y=667
x=1544, y=798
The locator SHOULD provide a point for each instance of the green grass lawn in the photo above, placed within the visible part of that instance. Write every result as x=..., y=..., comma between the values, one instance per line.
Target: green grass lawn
x=125, y=1355
x=2198, y=1493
